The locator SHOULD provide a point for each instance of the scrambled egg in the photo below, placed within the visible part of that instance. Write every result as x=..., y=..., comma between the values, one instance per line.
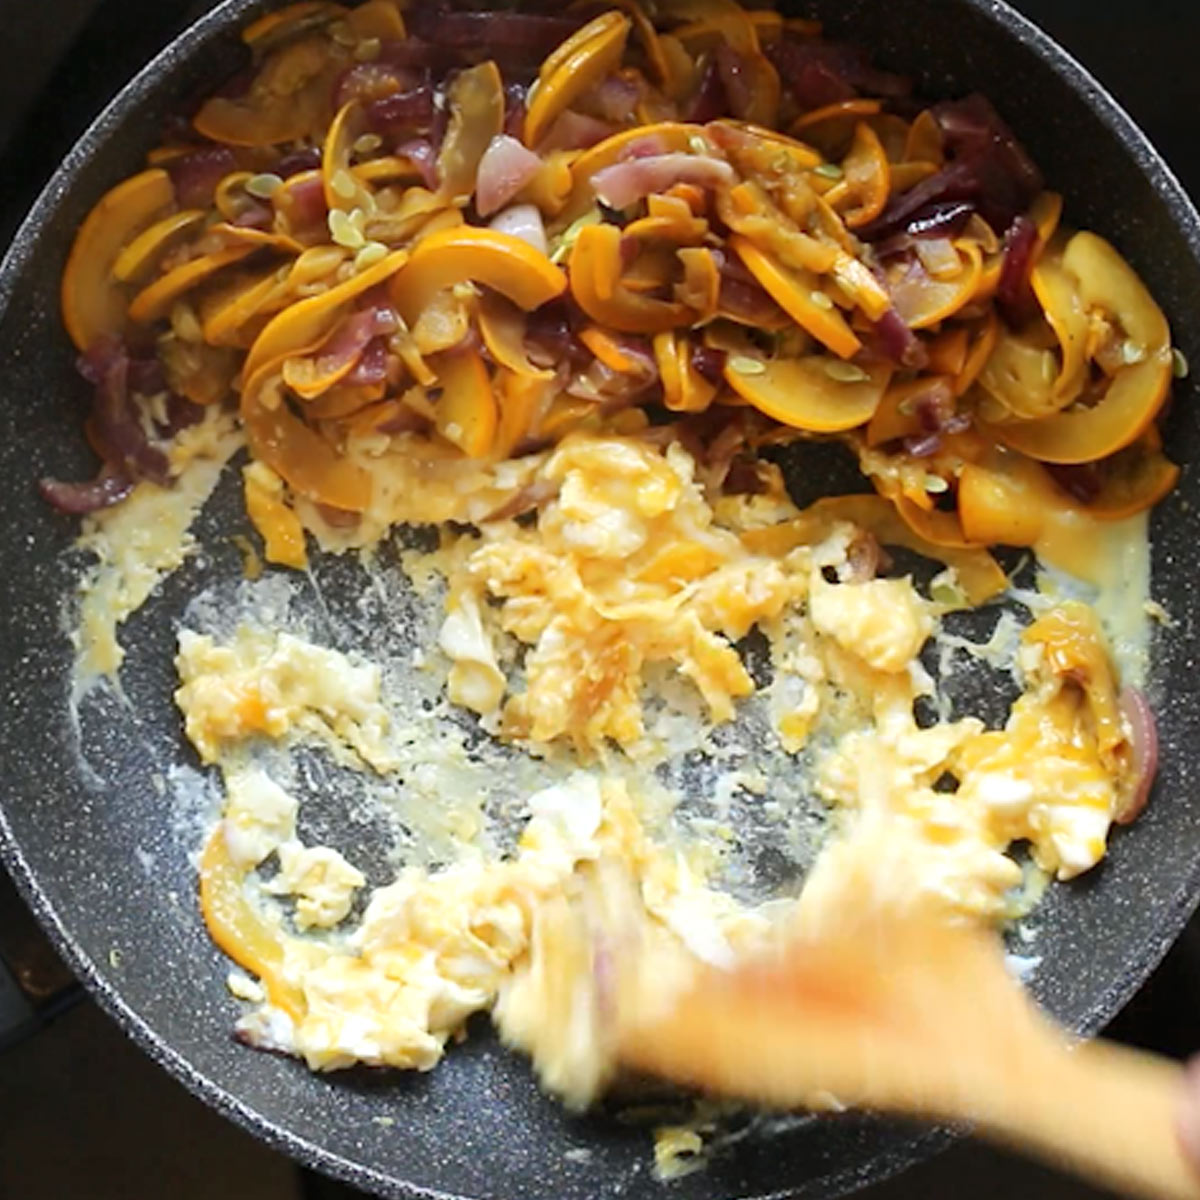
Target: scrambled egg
x=432, y=949
x=273, y=683
x=552, y=632
x=626, y=567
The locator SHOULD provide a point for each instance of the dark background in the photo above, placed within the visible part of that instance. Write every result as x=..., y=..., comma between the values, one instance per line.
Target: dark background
x=85, y=1115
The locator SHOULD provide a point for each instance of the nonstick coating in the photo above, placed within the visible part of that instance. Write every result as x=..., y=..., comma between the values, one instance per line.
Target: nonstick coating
x=96, y=857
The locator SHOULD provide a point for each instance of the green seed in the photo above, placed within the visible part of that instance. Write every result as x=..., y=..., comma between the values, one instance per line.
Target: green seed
x=829, y=171
x=844, y=372
x=343, y=232
x=567, y=239
x=263, y=186
x=343, y=184
x=747, y=366
x=1179, y=364
x=820, y=299
x=367, y=143
x=371, y=253
x=697, y=144
x=935, y=485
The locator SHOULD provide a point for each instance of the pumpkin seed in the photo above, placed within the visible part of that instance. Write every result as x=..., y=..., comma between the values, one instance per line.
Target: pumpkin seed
x=371, y=253
x=844, y=372
x=263, y=186
x=343, y=184
x=343, y=231
x=746, y=366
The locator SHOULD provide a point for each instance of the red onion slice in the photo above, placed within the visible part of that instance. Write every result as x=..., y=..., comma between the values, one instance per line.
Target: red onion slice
x=709, y=101
x=709, y=363
x=1014, y=294
x=402, y=111
x=612, y=100
x=348, y=341
x=735, y=83
x=505, y=168
x=195, y=175
x=415, y=53
x=514, y=109
x=575, y=131
x=1143, y=745
x=422, y=155
x=624, y=183
x=821, y=73
x=306, y=203
x=742, y=299
x=295, y=161
x=80, y=499
x=529, y=36
x=522, y=221
x=898, y=342
x=371, y=367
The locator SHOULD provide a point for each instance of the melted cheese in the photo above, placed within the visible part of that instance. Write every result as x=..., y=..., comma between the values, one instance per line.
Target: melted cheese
x=140, y=541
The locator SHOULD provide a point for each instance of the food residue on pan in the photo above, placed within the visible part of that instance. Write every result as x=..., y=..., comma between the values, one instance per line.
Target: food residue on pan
x=577, y=304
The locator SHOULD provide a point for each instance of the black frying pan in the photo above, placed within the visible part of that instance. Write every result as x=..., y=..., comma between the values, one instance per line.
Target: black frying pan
x=101, y=853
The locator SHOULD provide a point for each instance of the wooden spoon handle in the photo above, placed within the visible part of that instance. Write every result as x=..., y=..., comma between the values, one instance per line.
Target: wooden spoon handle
x=1100, y=1110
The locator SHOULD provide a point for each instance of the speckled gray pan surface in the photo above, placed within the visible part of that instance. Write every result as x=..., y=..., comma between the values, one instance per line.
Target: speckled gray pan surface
x=102, y=857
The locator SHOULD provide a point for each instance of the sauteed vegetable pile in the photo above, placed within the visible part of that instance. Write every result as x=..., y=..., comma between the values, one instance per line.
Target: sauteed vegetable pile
x=471, y=233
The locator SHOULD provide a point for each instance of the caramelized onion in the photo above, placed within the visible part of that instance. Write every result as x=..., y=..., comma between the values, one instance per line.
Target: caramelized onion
x=1014, y=294
x=195, y=175
x=1143, y=744
x=79, y=499
x=624, y=183
x=505, y=168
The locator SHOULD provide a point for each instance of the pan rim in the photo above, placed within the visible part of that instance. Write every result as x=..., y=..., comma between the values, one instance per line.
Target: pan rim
x=1007, y=22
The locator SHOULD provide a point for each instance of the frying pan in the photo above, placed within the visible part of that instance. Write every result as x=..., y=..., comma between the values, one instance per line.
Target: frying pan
x=98, y=818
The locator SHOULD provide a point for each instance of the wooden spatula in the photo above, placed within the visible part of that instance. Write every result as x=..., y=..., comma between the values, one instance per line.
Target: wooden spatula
x=902, y=1013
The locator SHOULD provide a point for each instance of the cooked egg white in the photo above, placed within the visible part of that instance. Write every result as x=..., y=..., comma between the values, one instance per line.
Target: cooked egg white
x=320, y=880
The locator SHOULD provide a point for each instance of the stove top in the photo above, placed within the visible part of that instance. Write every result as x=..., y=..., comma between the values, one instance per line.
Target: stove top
x=82, y=1112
